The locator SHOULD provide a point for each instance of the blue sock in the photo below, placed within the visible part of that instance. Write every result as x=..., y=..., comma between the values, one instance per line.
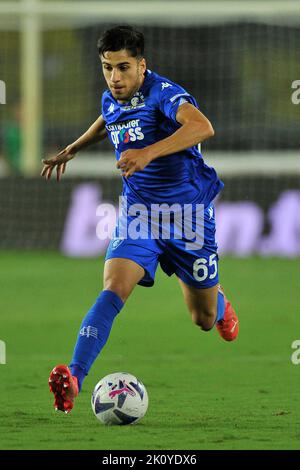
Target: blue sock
x=221, y=307
x=94, y=332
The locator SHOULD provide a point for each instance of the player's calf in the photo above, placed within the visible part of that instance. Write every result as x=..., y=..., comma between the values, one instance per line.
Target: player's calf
x=204, y=318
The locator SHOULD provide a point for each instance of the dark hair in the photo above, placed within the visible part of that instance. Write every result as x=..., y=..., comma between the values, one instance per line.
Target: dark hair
x=122, y=37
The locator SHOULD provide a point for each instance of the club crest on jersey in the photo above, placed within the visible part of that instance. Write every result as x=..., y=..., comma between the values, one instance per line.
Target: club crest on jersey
x=137, y=101
x=116, y=242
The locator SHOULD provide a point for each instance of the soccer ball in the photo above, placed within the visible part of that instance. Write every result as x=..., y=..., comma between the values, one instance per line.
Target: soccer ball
x=119, y=398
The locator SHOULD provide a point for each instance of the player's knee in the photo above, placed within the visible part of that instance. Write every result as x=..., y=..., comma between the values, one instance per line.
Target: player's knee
x=118, y=288
x=204, y=318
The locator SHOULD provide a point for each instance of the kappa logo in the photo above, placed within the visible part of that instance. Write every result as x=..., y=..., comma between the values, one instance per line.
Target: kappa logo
x=182, y=101
x=211, y=212
x=111, y=108
x=89, y=331
x=165, y=85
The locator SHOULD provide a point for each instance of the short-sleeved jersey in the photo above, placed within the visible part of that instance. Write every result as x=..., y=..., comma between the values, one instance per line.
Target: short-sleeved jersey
x=149, y=117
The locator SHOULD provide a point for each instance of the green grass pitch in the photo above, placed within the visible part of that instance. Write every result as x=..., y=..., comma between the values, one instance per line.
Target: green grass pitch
x=204, y=393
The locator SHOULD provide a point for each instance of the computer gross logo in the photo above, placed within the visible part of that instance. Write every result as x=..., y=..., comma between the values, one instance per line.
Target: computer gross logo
x=125, y=132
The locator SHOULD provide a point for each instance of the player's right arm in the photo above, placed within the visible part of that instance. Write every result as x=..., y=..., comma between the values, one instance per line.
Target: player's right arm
x=95, y=133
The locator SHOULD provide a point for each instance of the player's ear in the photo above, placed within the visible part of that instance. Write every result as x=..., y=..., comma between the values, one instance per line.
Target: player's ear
x=142, y=64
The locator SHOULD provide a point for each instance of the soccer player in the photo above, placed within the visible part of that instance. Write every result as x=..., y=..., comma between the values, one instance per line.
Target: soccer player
x=155, y=126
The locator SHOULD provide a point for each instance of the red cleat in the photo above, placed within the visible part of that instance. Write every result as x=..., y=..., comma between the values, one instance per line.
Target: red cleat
x=64, y=387
x=228, y=328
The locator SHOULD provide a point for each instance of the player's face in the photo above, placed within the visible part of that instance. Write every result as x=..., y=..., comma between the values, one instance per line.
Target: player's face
x=124, y=74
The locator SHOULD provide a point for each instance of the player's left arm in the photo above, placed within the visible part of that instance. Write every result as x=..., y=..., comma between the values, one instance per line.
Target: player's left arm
x=195, y=128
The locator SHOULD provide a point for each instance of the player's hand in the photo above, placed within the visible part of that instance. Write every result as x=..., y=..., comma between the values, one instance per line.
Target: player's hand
x=133, y=160
x=59, y=161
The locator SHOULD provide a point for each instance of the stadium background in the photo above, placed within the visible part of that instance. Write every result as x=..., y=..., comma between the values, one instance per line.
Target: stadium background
x=240, y=60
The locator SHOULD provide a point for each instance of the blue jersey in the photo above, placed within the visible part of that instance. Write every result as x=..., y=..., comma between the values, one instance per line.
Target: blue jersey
x=149, y=117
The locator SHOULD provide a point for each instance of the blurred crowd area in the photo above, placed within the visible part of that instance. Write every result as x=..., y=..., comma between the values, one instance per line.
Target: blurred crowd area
x=239, y=72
